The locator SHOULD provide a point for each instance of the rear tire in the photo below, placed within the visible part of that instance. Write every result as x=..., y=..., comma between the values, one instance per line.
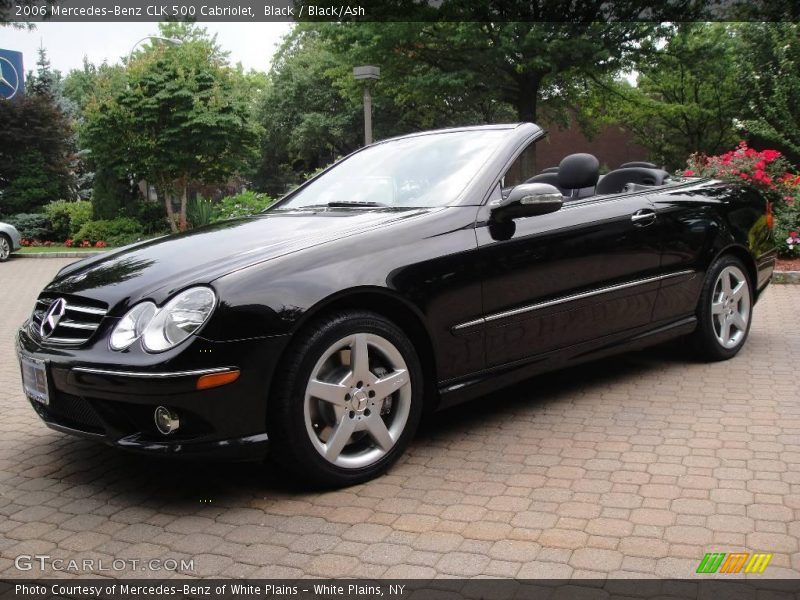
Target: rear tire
x=349, y=400
x=725, y=310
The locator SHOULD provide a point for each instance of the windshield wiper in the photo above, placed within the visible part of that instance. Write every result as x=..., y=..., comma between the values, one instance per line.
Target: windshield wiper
x=351, y=203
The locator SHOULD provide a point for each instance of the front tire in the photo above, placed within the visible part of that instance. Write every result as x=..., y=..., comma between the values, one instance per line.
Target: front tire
x=5, y=247
x=349, y=402
x=725, y=310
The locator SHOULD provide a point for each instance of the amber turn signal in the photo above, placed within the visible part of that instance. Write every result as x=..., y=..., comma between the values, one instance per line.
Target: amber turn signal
x=213, y=380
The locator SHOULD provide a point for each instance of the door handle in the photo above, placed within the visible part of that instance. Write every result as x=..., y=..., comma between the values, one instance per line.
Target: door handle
x=644, y=217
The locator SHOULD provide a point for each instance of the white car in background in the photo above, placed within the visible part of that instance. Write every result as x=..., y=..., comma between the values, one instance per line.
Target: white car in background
x=9, y=241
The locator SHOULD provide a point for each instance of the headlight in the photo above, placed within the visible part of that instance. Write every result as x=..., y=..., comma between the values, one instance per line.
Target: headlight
x=178, y=319
x=131, y=326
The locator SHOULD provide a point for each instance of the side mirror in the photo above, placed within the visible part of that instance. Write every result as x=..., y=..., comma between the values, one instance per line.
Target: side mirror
x=528, y=200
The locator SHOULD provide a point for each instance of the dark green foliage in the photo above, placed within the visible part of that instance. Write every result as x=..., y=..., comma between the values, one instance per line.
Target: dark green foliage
x=115, y=232
x=36, y=145
x=687, y=97
x=769, y=70
x=31, y=226
x=150, y=215
x=111, y=194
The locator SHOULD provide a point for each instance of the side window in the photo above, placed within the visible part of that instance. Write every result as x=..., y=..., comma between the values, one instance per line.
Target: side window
x=522, y=169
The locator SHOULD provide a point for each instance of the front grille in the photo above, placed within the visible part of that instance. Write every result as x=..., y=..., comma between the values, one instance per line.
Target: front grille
x=72, y=322
x=71, y=411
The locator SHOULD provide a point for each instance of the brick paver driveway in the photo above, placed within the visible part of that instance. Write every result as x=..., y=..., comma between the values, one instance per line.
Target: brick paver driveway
x=635, y=466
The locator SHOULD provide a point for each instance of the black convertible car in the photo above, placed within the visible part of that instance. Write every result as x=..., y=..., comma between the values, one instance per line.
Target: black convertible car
x=413, y=274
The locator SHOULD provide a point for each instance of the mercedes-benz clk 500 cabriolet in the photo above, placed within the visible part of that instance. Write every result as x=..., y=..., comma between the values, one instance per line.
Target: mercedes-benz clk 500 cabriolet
x=414, y=274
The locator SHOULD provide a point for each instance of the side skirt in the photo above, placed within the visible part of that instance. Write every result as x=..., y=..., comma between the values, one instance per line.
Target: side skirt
x=457, y=391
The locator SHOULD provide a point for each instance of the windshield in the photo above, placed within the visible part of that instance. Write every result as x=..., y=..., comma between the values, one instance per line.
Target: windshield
x=421, y=171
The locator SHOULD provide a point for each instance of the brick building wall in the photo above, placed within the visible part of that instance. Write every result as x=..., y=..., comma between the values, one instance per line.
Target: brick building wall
x=612, y=145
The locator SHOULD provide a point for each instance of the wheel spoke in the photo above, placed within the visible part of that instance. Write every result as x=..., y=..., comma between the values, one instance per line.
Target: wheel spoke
x=739, y=322
x=329, y=392
x=725, y=332
x=726, y=283
x=378, y=431
x=390, y=384
x=716, y=308
x=339, y=438
x=739, y=290
x=359, y=358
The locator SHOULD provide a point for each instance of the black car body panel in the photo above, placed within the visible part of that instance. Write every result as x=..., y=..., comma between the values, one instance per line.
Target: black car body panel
x=483, y=309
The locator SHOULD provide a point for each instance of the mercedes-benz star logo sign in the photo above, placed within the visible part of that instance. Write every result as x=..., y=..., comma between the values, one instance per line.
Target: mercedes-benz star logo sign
x=52, y=317
x=9, y=79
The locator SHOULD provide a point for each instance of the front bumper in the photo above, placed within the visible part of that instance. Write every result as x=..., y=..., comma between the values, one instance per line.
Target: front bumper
x=115, y=403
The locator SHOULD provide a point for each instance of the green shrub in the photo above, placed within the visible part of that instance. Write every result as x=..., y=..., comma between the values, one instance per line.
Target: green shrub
x=240, y=205
x=67, y=217
x=200, y=211
x=32, y=226
x=787, y=218
x=115, y=232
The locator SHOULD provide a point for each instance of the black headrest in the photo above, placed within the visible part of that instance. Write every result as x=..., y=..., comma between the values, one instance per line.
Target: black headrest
x=551, y=178
x=638, y=163
x=615, y=180
x=578, y=171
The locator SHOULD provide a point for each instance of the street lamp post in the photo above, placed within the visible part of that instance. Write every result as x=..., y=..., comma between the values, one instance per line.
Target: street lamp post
x=366, y=73
x=172, y=41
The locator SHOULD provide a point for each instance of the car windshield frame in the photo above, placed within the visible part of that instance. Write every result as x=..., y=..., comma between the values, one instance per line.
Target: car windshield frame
x=478, y=148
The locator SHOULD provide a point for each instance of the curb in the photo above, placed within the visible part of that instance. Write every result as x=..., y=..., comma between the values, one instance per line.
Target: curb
x=57, y=255
x=786, y=277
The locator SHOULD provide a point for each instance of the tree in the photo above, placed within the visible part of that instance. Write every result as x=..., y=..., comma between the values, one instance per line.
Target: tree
x=438, y=73
x=687, y=96
x=36, y=149
x=768, y=68
x=178, y=115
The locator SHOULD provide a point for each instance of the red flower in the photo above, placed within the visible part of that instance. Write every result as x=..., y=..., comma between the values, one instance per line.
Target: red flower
x=688, y=173
x=770, y=155
x=68, y=243
x=793, y=234
x=100, y=244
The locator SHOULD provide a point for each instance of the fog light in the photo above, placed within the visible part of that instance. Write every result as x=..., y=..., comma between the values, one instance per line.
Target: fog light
x=166, y=420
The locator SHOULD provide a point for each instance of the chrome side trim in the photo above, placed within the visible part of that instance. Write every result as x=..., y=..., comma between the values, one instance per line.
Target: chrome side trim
x=150, y=375
x=538, y=306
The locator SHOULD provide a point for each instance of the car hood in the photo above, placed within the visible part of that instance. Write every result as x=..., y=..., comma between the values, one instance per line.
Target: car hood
x=156, y=269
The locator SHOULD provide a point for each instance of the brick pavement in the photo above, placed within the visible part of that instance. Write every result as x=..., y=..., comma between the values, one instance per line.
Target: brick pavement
x=632, y=467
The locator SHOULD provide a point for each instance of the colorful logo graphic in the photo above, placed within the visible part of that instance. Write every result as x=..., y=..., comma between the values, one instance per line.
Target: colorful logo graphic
x=735, y=562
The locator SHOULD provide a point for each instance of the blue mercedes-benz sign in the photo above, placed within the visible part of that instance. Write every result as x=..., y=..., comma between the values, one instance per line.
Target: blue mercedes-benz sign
x=12, y=74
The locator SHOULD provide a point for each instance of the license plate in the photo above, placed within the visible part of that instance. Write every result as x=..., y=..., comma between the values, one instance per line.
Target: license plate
x=34, y=380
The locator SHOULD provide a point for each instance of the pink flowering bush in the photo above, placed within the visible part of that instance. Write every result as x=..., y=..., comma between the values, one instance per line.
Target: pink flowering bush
x=767, y=170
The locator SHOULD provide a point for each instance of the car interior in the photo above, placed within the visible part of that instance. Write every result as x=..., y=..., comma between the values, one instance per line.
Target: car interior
x=578, y=176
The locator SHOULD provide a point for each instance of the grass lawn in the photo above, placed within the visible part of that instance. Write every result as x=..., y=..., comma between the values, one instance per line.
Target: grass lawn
x=49, y=249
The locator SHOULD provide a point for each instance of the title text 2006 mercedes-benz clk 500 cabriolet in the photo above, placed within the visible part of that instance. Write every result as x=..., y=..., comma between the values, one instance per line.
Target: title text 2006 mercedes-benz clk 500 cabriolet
x=413, y=274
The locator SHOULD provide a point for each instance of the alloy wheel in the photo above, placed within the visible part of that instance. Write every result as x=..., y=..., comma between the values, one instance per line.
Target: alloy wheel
x=5, y=248
x=357, y=400
x=730, y=307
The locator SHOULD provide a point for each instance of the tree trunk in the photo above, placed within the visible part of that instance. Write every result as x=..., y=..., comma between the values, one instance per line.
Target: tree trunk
x=527, y=98
x=170, y=214
x=184, y=198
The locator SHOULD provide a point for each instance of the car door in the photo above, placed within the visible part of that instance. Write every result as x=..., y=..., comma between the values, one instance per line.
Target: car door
x=588, y=270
